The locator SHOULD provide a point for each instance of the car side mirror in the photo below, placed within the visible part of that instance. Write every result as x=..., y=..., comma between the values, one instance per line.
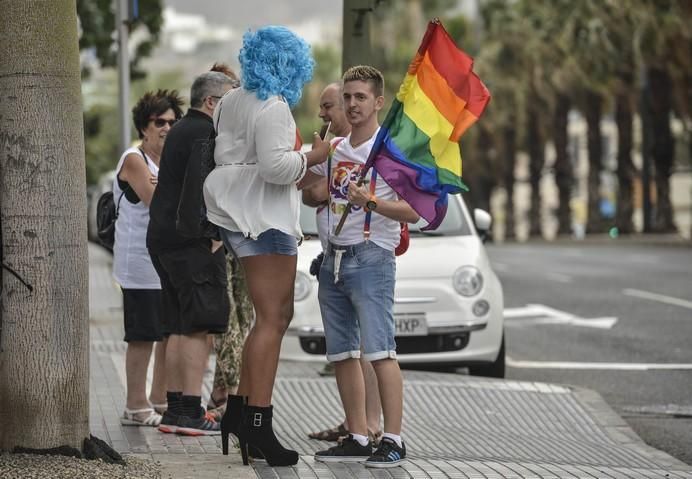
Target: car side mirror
x=483, y=221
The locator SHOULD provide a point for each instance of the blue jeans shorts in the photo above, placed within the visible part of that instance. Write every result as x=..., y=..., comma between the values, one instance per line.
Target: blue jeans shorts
x=271, y=241
x=358, y=308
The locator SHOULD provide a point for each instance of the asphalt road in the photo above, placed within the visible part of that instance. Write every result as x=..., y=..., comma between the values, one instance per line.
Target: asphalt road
x=612, y=317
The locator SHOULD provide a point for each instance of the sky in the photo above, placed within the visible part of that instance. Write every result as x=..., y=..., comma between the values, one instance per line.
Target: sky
x=241, y=15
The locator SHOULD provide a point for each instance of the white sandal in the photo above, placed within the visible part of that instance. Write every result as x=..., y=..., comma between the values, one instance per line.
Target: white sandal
x=159, y=408
x=129, y=418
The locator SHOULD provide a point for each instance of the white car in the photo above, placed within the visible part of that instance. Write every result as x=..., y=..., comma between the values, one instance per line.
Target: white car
x=448, y=303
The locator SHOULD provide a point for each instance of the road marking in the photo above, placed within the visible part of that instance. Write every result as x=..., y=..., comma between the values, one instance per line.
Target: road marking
x=638, y=293
x=515, y=363
x=559, y=277
x=542, y=314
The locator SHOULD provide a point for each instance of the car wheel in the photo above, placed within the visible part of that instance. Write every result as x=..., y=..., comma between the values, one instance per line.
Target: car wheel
x=496, y=369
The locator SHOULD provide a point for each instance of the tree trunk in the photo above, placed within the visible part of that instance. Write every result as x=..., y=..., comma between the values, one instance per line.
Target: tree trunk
x=44, y=356
x=625, y=168
x=663, y=147
x=536, y=161
x=564, y=177
x=483, y=186
x=593, y=104
x=509, y=150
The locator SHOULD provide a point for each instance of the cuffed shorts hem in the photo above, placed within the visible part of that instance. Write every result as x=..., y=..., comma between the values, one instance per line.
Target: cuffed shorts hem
x=334, y=358
x=376, y=356
x=271, y=241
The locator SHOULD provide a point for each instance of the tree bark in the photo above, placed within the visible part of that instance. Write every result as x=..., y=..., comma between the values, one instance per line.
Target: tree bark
x=662, y=148
x=44, y=356
x=592, y=112
x=536, y=152
x=509, y=151
x=564, y=176
x=484, y=182
x=625, y=168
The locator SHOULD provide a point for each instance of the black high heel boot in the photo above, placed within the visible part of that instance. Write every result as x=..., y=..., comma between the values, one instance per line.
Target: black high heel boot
x=230, y=422
x=257, y=433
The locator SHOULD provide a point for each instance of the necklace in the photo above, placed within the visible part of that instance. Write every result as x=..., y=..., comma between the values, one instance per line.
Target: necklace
x=356, y=145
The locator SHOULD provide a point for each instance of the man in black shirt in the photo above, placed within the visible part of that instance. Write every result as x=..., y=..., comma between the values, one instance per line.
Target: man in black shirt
x=192, y=270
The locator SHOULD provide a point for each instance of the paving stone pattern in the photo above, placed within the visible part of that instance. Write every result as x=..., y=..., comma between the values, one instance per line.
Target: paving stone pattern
x=455, y=426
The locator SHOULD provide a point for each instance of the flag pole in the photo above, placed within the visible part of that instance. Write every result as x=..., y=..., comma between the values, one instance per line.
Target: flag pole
x=361, y=180
x=349, y=205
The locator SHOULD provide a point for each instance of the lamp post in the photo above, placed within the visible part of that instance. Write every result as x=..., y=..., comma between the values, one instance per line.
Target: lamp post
x=357, y=46
x=122, y=23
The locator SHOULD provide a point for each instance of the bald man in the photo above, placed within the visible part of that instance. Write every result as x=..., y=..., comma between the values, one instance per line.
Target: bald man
x=332, y=114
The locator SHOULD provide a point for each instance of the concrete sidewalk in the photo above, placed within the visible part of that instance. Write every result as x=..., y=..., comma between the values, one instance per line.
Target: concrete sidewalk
x=455, y=426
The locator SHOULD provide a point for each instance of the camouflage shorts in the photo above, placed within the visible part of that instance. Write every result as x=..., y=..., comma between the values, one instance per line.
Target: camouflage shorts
x=229, y=346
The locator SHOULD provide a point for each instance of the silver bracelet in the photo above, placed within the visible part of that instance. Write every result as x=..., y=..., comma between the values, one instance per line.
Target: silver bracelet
x=303, y=166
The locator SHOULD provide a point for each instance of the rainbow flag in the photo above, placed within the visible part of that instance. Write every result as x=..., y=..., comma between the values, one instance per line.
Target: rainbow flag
x=417, y=148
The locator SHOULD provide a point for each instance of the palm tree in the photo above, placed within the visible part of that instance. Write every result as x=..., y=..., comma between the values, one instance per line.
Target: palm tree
x=621, y=25
x=564, y=174
x=665, y=38
x=559, y=66
x=44, y=353
x=509, y=59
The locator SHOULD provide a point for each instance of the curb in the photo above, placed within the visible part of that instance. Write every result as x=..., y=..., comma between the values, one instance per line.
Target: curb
x=618, y=429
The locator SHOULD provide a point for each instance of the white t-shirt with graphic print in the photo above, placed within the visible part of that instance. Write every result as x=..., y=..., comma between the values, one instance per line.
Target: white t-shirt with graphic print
x=346, y=165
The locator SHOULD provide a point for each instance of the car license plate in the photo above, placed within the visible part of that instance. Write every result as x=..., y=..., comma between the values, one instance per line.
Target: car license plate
x=410, y=324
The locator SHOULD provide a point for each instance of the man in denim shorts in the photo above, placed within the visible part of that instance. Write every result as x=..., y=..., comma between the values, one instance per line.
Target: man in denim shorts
x=357, y=276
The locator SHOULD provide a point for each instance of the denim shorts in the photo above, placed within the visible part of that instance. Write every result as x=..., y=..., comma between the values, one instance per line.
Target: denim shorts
x=358, y=309
x=271, y=241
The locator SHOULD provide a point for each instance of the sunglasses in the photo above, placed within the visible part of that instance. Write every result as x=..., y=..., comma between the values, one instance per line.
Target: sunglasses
x=160, y=122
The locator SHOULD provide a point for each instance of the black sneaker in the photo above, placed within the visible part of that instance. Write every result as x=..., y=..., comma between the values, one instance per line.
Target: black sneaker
x=169, y=422
x=198, y=426
x=348, y=450
x=388, y=454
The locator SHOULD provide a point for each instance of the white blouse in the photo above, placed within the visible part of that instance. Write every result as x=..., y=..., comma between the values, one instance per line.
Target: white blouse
x=253, y=187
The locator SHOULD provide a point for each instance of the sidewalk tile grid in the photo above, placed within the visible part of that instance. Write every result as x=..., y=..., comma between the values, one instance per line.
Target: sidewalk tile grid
x=455, y=426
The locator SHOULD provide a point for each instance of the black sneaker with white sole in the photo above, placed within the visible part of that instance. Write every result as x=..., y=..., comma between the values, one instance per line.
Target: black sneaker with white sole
x=169, y=422
x=388, y=454
x=348, y=450
x=198, y=426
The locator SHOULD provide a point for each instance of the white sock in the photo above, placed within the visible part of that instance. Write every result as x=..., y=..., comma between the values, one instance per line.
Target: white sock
x=362, y=440
x=393, y=437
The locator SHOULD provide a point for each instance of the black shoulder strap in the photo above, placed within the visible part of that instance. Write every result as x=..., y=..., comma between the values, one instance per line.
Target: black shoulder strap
x=117, y=206
x=128, y=187
x=144, y=155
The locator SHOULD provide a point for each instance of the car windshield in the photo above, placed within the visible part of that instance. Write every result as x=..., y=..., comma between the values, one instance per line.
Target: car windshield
x=454, y=224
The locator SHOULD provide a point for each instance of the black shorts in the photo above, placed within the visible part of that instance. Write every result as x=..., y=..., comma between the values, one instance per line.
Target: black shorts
x=142, y=314
x=194, y=289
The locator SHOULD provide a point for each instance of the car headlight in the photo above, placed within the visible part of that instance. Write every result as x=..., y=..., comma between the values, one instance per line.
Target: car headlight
x=467, y=281
x=302, y=287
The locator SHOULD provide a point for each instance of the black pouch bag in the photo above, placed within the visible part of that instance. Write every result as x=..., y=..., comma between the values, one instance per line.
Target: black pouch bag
x=106, y=214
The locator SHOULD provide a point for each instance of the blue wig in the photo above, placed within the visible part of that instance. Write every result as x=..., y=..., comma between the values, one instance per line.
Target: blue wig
x=275, y=61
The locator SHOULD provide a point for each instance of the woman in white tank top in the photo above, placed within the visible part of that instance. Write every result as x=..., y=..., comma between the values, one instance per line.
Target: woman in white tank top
x=133, y=188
